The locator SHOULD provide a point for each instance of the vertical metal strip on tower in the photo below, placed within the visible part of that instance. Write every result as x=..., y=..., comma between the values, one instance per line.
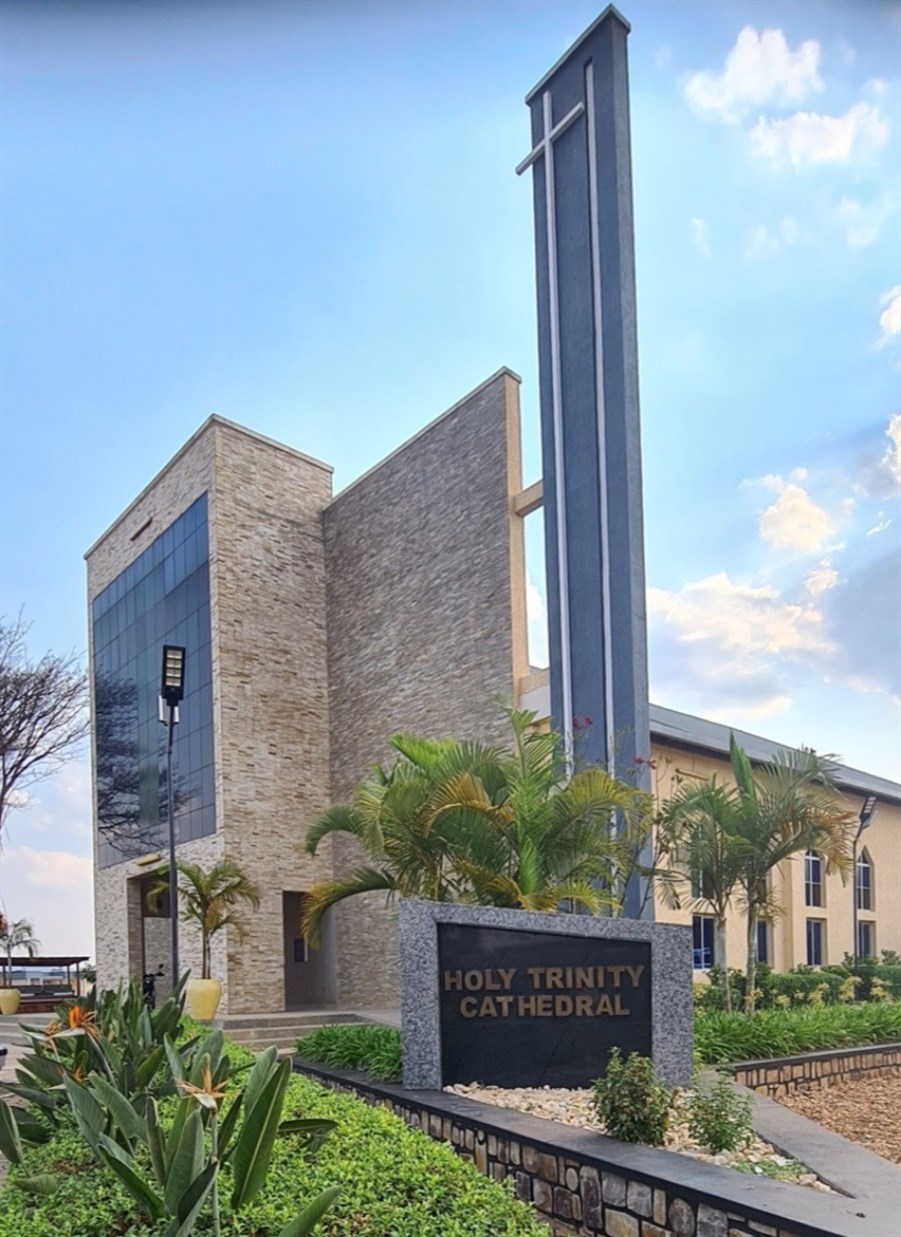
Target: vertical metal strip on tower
x=588, y=371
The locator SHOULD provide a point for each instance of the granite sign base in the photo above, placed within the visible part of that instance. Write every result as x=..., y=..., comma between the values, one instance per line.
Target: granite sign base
x=519, y=998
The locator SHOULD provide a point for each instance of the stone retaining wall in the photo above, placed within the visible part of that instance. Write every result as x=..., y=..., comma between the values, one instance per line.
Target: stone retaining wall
x=818, y=1069
x=585, y=1185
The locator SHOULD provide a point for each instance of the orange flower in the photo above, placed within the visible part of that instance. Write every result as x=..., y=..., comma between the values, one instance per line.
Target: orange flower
x=81, y=1019
x=208, y=1094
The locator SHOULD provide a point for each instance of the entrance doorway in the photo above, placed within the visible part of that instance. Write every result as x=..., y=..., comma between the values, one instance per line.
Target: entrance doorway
x=156, y=939
x=309, y=972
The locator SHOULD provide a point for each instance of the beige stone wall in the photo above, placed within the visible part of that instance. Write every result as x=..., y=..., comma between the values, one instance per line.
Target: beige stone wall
x=267, y=601
x=272, y=755
x=426, y=604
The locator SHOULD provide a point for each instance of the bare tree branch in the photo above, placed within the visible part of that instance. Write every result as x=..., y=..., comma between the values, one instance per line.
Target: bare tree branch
x=43, y=713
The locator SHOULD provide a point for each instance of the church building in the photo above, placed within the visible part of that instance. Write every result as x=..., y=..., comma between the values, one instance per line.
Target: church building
x=315, y=627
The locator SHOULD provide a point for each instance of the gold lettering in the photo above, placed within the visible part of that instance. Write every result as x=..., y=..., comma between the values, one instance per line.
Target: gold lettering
x=618, y=1007
x=453, y=981
x=605, y=1005
x=504, y=1003
x=488, y=1009
x=491, y=984
x=469, y=1007
x=584, y=977
x=554, y=977
x=584, y=1007
x=535, y=973
x=545, y=1006
x=635, y=973
x=525, y=1006
x=474, y=981
x=507, y=976
x=563, y=1006
x=617, y=977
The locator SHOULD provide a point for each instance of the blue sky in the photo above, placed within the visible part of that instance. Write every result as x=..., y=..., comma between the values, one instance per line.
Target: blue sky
x=304, y=216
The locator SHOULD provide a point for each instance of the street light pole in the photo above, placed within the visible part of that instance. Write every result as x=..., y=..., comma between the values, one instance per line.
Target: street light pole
x=867, y=815
x=172, y=691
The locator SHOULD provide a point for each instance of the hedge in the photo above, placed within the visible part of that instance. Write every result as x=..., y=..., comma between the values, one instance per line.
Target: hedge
x=722, y=1038
x=393, y=1180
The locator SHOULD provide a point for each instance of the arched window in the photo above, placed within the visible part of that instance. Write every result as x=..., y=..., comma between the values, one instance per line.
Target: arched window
x=863, y=881
x=813, y=879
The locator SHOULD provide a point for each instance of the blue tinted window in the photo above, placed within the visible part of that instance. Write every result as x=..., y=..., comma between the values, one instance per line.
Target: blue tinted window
x=148, y=605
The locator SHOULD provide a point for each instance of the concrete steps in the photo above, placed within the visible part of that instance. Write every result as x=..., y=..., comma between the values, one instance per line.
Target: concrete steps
x=255, y=1031
x=11, y=1029
x=281, y=1030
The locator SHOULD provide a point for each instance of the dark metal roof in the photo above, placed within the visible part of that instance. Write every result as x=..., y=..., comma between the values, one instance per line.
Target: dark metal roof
x=696, y=732
x=40, y=960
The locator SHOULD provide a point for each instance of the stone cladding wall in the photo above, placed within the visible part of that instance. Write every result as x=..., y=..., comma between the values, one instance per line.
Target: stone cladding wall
x=819, y=1069
x=422, y=624
x=270, y=705
x=577, y=1193
x=272, y=753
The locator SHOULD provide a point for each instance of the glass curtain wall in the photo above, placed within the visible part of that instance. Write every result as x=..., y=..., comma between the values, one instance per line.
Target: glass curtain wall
x=163, y=597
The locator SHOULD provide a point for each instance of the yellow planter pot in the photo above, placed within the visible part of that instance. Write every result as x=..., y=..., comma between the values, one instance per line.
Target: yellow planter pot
x=202, y=998
x=9, y=1000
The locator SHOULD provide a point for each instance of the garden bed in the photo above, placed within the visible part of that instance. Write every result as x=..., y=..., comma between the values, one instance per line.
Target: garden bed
x=393, y=1180
x=584, y=1182
x=574, y=1107
x=865, y=1111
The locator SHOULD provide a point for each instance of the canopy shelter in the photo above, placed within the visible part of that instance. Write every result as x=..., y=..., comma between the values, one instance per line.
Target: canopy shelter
x=55, y=962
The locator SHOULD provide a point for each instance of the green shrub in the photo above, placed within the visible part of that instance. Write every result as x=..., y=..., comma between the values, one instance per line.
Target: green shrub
x=393, y=1180
x=376, y=1050
x=724, y=1038
x=632, y=1104
x=720, y=1118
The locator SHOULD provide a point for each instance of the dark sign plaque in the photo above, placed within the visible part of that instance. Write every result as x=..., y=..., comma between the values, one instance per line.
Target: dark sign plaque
x=539, y=1009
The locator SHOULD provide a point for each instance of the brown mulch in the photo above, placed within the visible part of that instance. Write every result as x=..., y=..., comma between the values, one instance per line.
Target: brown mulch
x=865, y=1111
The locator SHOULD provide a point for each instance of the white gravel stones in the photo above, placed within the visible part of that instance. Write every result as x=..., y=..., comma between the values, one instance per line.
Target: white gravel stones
x=574, y=1107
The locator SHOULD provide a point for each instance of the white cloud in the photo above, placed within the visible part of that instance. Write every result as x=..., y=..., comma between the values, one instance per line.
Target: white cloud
x=762, y=241
x=700, y=236
x=760, y=68
x=890, y=317
x=51, y=869
x=811, y=138
x=58, y=806
x=879, y=527
x=54, y=889
x=795, y=522
x=726, y=642
x=536, y=613
x=863, y=224
x=821, y=578
x=879, y=476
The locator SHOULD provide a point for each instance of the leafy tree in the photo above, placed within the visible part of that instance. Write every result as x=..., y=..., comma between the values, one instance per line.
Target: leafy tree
x=209, y=898
x=786, y=807
x=43, y=713
x=16, y=934
x=463, y=822
x=698, y=831
x=736, y=836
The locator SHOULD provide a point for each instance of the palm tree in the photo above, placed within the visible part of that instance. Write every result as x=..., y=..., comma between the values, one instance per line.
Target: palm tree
x=18, y=934
x=208, y=897
x=735, y=837
x=464, y=822
x=786, y=806
x=698, y=831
